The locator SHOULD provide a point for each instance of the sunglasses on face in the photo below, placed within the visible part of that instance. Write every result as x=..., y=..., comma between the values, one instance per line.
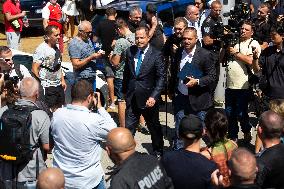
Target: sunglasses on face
x=6, y=59
x=87, y=33
x=197, y=3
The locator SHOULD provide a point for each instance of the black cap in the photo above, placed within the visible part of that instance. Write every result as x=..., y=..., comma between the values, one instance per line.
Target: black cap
x=191, y=127
x=151, y=8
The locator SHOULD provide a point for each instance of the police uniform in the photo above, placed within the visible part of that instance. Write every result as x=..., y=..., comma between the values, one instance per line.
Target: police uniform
x=208, y=28
x=140, y=171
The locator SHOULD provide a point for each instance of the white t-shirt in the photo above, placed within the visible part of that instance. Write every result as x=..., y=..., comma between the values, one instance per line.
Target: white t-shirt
x=237, y=75
x=50, y=61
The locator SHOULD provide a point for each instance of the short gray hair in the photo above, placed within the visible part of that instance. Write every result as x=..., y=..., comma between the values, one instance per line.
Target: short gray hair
x=83, y=25
x=135, y=8
x=29, y=87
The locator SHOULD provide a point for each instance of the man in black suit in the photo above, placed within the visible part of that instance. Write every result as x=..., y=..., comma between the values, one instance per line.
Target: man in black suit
x=191, y=91
x=143, y=81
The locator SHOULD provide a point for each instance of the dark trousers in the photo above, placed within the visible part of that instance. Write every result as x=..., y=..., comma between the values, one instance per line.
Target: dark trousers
x=236, y=105
x=151, y=116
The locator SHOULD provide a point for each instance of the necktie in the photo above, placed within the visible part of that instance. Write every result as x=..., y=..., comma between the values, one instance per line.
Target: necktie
x=139, y=62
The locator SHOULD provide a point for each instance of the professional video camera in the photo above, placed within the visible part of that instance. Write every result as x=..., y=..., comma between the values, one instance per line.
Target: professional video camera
x=240, y=13
x=14, y=79
x=226, y=35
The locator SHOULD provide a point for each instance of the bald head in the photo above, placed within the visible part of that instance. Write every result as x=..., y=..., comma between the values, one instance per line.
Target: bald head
x=29, y=87
x=51, y=178
x=120, y=140
x=271, y=124
x=84, y=25
x=243, y=166
x=192, y=13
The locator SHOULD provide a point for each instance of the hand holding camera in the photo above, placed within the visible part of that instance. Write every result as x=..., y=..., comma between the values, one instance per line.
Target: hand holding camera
x=97, y=100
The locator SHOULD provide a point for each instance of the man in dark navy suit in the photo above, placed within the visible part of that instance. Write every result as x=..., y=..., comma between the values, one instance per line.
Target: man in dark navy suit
x=143, y=81
x=192, y=75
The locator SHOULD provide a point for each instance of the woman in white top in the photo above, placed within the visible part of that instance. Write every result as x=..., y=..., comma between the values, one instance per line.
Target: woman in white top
x=69, y=8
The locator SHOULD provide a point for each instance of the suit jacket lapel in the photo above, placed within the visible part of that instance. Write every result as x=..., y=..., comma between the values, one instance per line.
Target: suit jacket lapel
x=132, y=63
x=195, y=56
x=145, y=60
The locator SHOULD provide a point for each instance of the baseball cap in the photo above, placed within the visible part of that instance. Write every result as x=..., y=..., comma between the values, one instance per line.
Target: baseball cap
x=191, y=127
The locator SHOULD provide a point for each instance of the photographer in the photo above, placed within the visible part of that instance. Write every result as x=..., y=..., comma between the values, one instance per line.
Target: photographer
x=211, y=40
x=11, y=71
x=271, y=63
x=77, y=133
x=237, y=91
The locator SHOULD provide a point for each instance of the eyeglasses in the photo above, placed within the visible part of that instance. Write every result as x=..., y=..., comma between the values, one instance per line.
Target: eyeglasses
x=197, y=3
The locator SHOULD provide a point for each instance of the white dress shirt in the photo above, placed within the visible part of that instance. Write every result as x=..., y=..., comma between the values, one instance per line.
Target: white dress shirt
x=137, y=56
x=186, y=57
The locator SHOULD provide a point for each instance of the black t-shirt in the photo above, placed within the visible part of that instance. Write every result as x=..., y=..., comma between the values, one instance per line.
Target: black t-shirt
x=167, y=49
x=106, y=32
x=272, y=63
x=188, y=169
x=271, y=167
x=157, y=39
x=132, y=26
x=140, y=171
x=262, y=31
x=212, y=27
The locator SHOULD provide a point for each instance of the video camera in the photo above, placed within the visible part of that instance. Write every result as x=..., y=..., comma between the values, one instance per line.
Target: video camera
x=226, y=35
x=238, y=15
x=14, y=79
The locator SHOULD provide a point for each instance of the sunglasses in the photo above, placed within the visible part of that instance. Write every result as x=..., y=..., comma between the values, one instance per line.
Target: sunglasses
x=6, y=59
x=197, y=3
x=88, y=33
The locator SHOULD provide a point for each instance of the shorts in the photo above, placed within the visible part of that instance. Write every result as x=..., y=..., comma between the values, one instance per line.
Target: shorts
x=13, y=39
x=54, y=97
x=118, y=89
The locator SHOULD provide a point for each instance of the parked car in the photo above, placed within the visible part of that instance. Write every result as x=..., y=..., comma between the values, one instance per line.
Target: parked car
x=33, y=9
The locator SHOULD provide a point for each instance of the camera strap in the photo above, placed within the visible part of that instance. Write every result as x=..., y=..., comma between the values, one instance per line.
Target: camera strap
x=247, y=66
x=18, y=71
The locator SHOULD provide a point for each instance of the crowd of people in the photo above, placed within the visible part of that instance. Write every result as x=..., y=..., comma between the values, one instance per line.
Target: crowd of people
x=140, y=64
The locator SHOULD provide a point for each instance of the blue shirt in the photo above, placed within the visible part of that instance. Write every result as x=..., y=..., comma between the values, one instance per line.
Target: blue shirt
x=82, y=49
x=77, y=134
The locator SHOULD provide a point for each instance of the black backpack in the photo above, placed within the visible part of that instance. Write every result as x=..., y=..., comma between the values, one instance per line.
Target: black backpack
x=15, y=126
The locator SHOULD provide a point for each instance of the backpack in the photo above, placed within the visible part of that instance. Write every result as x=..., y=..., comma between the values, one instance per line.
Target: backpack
x=15, y=125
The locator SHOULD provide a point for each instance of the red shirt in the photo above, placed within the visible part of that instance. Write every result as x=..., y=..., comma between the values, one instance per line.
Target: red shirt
x=13, y=9
x=54, y=14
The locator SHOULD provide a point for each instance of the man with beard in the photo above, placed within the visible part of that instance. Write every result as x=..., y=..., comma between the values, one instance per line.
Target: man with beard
x=134, y=169
x=77, y=133
x=47, y=68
